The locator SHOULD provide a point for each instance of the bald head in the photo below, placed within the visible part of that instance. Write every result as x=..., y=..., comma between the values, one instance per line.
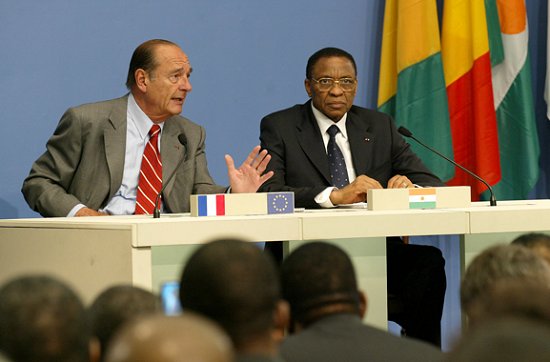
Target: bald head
x=170, y=339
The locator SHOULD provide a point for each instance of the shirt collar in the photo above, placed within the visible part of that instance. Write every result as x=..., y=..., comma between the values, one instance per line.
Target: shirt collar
x=142, y=122
x=324, y=122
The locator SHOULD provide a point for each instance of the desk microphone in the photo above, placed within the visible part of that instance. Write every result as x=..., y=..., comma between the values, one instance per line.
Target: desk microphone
x=405, y=132
x=183, y=141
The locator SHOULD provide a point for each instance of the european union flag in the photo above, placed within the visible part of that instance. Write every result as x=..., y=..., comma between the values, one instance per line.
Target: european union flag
x=280, y=202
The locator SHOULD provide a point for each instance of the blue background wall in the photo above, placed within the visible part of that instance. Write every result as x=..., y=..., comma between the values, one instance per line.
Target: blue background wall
x=248, y=57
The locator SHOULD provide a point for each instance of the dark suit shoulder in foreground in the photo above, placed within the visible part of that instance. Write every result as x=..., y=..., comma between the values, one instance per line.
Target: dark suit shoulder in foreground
x=343, y=337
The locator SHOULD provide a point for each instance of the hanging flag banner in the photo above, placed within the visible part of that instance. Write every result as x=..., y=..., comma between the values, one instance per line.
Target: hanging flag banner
x=467, y=69
x=515, y=108
x=412, y=87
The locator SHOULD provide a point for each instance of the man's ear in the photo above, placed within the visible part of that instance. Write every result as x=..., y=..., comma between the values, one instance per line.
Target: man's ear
x=307, y=85
x=281, y=318
x=362, y=303
x=141, y=79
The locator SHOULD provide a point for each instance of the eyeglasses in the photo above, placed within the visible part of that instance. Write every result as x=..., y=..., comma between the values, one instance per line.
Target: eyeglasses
x=346, y=84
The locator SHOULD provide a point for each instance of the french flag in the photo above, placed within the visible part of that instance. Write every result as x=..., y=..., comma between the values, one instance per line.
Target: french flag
x=211, y=205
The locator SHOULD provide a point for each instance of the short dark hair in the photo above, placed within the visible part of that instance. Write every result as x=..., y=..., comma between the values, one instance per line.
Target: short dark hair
x=233, y=283
x=316, y=275
x=144, y=58
x=42, y=319
x=117, y=305
x=327, y=53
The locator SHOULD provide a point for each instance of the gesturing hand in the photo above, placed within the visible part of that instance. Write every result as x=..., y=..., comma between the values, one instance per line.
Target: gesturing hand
x=248, y=177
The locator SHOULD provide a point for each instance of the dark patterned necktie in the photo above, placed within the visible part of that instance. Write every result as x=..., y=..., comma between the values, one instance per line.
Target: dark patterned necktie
x=338, y=170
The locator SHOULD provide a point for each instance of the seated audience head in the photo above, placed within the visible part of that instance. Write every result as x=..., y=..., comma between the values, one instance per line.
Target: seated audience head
x=504, y=340
x=116, y=306
x=512, y=298
x=501, y=263
x=235, y=284
x=318, y=279
x=538, y=242
x=161, y=338
x=42, y=319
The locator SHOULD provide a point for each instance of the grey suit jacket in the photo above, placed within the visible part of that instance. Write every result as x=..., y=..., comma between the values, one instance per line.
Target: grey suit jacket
x=84, y=161
x=343, y=337
x=298, y=156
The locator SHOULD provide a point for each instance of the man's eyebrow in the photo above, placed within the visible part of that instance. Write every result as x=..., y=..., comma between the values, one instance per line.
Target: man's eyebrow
x=180, y=70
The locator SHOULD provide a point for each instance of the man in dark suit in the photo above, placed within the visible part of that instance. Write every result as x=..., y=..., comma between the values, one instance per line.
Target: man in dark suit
x=92, y=162
x=330, y=152
x=319, y=283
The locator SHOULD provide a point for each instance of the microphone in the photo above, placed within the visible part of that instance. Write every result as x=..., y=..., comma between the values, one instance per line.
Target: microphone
x=405, y=132
x=183, y=141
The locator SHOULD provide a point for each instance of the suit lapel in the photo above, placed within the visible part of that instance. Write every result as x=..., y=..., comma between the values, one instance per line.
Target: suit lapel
x=171, y=152
x=361, y=143
x=311, y=141
x=114, y=136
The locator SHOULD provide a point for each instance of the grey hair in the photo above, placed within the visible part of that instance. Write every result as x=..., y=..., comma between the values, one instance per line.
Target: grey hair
x=498, y=263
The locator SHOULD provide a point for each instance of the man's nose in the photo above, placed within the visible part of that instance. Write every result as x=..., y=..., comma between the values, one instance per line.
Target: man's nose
x=336, y=89
x=185, y=84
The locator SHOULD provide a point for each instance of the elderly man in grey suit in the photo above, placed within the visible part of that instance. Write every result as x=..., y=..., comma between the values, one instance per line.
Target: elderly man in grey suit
x=93, y=162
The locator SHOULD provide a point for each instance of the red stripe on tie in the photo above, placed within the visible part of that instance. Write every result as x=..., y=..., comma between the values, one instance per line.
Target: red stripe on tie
x=150, y=179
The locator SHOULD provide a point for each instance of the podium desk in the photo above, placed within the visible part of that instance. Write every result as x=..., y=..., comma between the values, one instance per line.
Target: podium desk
x=502, y=223
x=362, y=233
x=92, y=253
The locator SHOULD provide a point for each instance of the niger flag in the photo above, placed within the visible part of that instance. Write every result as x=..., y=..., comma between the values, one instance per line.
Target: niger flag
x=412, y=85
x=517, y=128
x=467, y=67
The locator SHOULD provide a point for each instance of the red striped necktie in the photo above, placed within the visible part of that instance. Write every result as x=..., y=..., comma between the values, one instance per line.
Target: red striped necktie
x=150, y=174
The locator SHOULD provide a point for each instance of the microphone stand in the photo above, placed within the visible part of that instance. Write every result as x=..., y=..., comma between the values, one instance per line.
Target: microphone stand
x=405, y=132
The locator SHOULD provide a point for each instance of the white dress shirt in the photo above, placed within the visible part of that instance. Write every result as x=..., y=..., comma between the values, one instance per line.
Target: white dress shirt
x=323, y=198
x=137, y=136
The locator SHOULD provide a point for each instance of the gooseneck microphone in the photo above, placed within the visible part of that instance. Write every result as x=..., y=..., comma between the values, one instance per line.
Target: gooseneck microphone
x=183, y=141
x=405, y=132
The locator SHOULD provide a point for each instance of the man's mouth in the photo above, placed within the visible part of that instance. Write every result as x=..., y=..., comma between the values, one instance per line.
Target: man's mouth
x=336, y=105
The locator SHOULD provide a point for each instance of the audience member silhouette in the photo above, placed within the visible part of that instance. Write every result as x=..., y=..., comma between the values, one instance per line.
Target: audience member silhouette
x=235, y=284
x=512, y=298
x=42, y=319
x=159, y=338
x=538, y=242
x=509, y=339
x=118, y=305
x=319, y=282
x=500, y=263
